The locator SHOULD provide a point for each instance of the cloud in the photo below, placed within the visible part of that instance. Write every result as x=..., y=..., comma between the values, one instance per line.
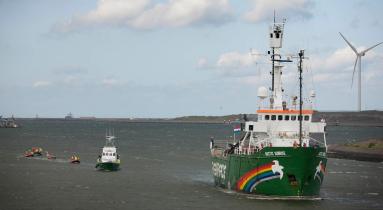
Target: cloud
x=109, y=82
x=202, y=63
x=71, y=80
x=41, y=84
x=234, y=60
x=108, y=12
x=333, y=68
x=233, y=63
x=263, y=10
x=341, y=63
x=142, y=14
x=177, y=13
x=70, y=70
x=342, y=59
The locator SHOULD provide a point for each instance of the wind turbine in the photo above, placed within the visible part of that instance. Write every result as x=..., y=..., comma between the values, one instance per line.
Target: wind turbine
x=358, y=60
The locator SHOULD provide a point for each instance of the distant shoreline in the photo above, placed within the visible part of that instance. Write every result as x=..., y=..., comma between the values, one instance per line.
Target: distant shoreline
x=356, y=151
x=364, y=118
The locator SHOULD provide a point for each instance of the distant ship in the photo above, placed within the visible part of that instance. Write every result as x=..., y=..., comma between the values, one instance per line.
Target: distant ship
x=8, y=122
x=69, y=116
x=276, y=155
x=109, y=160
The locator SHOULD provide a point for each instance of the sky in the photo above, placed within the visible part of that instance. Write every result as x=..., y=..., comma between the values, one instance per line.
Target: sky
x=170, y=58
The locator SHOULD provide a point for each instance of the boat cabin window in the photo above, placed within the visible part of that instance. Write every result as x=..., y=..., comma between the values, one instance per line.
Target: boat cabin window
x=307, y=118
x=287, y=117
x=273, y=117
x=267, y=117
x=293, y=117
x=271, y=35
x=280, y=117
x=251, y=127
x=114, y=154
x=299, y=117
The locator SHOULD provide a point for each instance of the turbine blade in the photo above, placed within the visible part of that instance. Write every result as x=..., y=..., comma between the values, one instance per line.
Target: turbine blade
x=364, y=51
x=356, y=61
x=349, y=44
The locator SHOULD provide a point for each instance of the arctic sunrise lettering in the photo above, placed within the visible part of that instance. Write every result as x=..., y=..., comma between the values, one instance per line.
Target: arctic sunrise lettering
x=276, y=153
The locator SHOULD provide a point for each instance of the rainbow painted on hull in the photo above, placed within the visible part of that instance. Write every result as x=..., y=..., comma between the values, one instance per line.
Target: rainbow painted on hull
x=260, y=174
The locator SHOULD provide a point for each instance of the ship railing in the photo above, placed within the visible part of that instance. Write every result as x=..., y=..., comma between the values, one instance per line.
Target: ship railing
x=291, y=107
x=252, y=148
x=247, y=150
x=314, y=142
x=221, y=144
x=220, y=148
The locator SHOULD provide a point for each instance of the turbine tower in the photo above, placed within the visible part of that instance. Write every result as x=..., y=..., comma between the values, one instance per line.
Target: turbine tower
x=358, y=60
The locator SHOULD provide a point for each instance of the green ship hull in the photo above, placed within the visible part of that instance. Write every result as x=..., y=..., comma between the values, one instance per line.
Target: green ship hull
x=108, y=166
x=273, y=171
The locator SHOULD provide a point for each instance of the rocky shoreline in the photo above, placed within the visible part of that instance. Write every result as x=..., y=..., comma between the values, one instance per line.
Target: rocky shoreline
x=369, y=150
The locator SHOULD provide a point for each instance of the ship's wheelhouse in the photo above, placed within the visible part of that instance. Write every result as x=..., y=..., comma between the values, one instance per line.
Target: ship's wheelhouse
x=109, y=154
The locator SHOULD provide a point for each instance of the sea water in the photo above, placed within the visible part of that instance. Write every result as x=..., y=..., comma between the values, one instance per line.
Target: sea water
x=163, y=166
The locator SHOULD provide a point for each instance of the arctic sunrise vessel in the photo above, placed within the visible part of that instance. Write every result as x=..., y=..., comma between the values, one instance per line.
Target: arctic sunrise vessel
x=283, y=153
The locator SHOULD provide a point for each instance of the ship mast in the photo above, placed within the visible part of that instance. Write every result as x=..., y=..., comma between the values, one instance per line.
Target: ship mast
x=272, y=60
x=276, y=37
x=301, y=57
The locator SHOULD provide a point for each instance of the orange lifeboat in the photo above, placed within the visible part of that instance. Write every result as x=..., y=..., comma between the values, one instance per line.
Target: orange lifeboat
x=74, y=159
x=28, y=153
x=37, y=151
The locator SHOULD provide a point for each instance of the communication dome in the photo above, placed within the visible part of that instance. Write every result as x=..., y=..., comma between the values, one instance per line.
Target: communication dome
x=262, y=92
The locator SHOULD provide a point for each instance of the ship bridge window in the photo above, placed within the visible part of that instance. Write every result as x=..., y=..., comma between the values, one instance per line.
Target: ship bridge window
x=293, y=117
x=287, y=117
x=280, y=117
x=267, y=117
x=273, y=117
x=307, y=118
